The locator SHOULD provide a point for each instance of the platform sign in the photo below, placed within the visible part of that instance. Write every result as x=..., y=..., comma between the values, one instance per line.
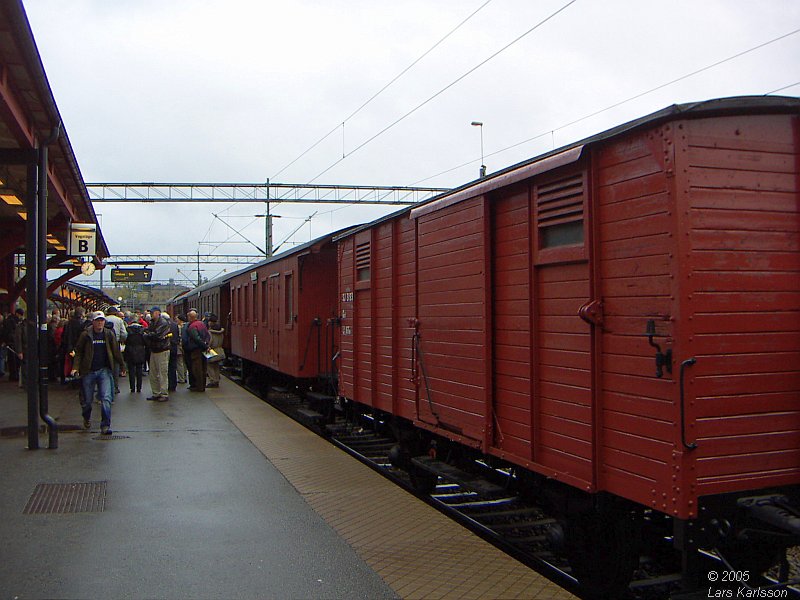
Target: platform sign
x=131, y=275
x=82, y=239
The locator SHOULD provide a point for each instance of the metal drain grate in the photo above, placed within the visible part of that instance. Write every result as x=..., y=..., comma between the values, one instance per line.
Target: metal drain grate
x=103, y=438
x=59, y=498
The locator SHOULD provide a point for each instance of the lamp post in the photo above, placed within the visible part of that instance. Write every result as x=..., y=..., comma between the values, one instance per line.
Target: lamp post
x=483, y=166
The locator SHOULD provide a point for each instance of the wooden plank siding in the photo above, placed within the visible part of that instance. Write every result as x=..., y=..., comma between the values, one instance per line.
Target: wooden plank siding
x=635, y=248
x=563, y=438
x=346, y=297
x=363, y=318
x=511, y=305
x=405, y=240
x=690, y=222
x=451, y=293
x=743, y=300
x=383, y=286
x=563, y=371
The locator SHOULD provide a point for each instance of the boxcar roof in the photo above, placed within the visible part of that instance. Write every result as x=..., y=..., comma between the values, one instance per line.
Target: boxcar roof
x=297, y=249
x=737, y=105
x=572, y=152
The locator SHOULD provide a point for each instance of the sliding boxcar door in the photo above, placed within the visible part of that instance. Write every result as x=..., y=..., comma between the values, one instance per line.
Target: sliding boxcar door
x=511, y=320
x=452, y=353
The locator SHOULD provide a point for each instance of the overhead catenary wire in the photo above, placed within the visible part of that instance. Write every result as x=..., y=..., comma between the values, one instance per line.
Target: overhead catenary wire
x=295, y=230
x=447, y=87
x=625, y=101
x=364, y=105
x=550, y=131
x=379, y=92
x=785, y=87
x=261, y=250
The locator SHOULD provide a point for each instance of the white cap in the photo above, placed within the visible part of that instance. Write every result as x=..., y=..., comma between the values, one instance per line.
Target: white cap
x=98, y=314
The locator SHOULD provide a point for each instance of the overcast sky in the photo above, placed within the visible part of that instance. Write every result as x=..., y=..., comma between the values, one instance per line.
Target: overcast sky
x=210, y=91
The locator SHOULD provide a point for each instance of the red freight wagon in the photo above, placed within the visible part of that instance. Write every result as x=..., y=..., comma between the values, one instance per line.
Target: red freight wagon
x=280, y=309
x=621, y=316
x=377, y=284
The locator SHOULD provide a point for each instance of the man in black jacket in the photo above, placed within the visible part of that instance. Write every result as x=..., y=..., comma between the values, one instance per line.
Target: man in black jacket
x=195, y=343
x=96, y=354
x=158, y=338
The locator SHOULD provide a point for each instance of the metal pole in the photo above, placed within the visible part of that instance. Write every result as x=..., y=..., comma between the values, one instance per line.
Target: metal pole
x=41, y=271
x=483, y=162
x=30, y=348
x=483, y=166
x=268, y=226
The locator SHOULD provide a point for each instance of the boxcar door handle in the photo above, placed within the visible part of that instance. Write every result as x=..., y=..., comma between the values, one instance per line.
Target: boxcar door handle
x=689, y=446
x=592, y=312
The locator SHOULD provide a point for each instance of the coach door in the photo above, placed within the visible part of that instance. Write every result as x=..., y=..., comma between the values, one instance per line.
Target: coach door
x=274, y=318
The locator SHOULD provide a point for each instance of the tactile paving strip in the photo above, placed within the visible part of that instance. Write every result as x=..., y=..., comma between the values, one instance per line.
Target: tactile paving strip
x=418, y=551
x=60, y=498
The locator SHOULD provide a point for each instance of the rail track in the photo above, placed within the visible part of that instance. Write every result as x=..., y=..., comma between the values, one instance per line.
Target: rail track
x=512, y=523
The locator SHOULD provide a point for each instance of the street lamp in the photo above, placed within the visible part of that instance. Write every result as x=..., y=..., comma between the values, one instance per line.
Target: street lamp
x=483, y=166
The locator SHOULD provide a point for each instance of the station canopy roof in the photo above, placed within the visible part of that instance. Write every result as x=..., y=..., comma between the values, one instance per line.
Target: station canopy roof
x=71, y=295
x=28, y=116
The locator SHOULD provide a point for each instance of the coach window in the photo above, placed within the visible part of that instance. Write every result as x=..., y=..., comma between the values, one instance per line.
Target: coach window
x=248, y=303
x=255, y=302
x=288, y=288
x=264, y=302
x=560, y=205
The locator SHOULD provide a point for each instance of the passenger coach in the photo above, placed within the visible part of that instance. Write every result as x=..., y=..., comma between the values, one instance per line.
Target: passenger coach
x=283, y=311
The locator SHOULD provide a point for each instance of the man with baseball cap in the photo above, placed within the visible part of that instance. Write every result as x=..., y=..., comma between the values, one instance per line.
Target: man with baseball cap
x=96, y=353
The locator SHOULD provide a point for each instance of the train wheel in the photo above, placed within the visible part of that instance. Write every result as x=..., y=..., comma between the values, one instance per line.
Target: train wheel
x=602, y=547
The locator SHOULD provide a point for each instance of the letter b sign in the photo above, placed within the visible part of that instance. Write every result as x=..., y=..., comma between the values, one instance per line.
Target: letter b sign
x=82, y=239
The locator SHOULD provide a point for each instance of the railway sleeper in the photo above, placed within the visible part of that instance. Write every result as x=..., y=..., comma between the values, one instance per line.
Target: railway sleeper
x=310, y=418
x=480, y=486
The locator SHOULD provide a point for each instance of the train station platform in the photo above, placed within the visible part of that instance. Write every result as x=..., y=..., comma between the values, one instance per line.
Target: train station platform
x=219, y=495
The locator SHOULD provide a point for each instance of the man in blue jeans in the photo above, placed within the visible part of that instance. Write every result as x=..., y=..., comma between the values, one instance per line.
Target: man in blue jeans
x=96, y=351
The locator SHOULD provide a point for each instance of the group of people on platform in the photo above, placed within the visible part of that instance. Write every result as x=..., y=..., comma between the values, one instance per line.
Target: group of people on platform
x=12, y=338
x=100, y=348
